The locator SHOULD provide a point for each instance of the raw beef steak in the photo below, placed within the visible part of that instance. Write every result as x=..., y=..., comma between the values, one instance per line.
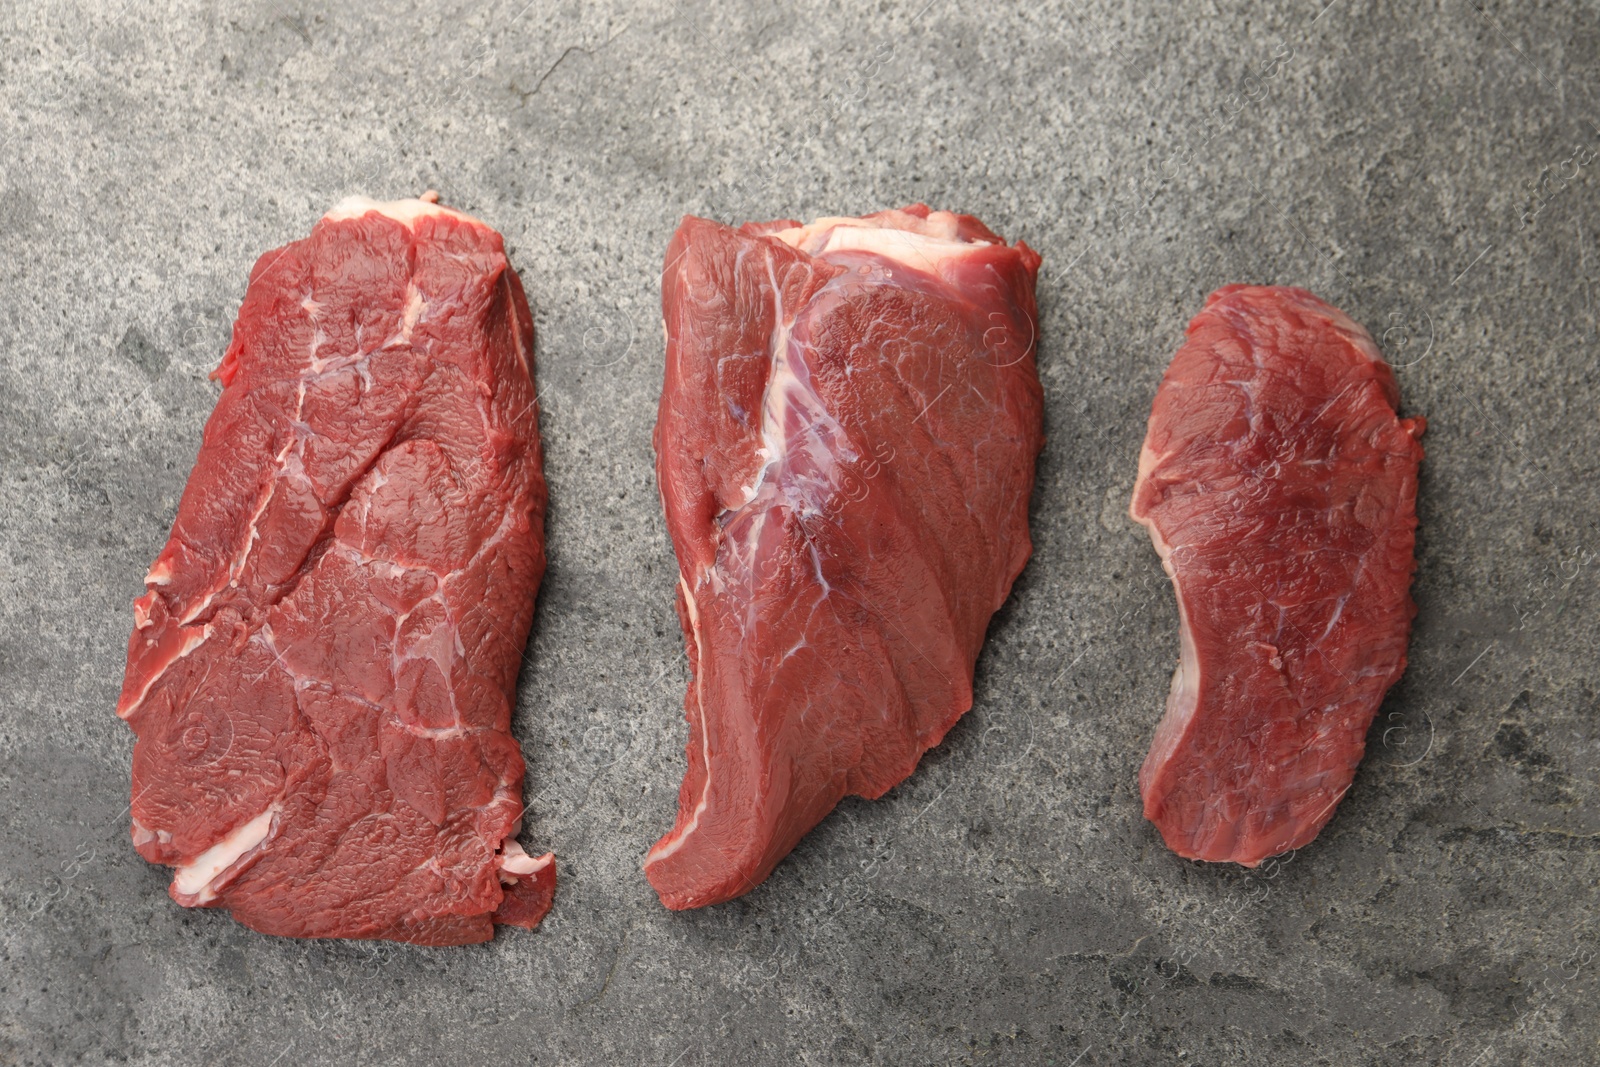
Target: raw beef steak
x=845, y=451
x=1279, y=487
x=322, y=672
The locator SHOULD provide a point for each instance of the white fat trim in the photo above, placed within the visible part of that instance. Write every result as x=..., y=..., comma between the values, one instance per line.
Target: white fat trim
x=899, y=246
x=774, y=444
x=295, y=441
x=748, y=492
x=786, y=393
x=907, y=247
x=694, y=609
x=783, y=388
x=1184, y=696
x=193, y=638
x=941, y=224
x=774, y=447
x=1149, y=459
x=661, y=852
x=405, y=212
x=194, y=880
x=413, y=311
x=515, y=861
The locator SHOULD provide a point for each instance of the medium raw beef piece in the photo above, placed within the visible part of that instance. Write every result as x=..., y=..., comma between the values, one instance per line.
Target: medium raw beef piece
x=1279, y=487
x=322, y=672
x=845, y=451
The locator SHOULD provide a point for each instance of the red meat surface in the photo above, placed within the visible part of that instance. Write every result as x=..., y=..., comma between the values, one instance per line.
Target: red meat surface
x=322, y=671
x=845, y=451
x=1279, y=487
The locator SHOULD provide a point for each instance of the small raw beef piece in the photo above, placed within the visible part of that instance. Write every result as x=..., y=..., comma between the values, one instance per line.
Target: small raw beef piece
x=845, y=452
x=323, y=670
x=1279, y=488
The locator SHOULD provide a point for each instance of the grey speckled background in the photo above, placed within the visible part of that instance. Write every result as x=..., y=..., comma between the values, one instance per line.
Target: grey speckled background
x=1007, y=904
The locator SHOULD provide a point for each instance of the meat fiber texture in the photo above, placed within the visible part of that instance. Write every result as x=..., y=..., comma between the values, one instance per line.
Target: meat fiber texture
x=323, y=668
x=1279, y=487
x=845, y=450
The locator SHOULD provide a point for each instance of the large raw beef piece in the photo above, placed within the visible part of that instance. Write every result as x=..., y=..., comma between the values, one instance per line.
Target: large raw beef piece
x=1279, y=487
x=845, y=451
x=322, y=672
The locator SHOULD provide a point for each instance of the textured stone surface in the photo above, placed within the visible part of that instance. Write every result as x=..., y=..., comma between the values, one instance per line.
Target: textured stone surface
x=1007, y=904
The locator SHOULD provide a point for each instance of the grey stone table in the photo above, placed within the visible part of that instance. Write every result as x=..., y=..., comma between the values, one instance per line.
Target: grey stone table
x=1430, y=171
